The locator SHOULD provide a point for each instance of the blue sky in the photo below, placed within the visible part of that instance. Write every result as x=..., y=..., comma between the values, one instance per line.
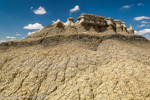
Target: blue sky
x=19, y=18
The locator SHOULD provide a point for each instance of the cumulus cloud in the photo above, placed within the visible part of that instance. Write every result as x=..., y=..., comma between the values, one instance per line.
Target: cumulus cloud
x=31, y=8
x=140, y=4
x=141, y=18
x=2, y=41
x=29, y=33
x=127, y=6
x=34, y=26
x=146, y=35
x=76, y=8
x=53, y=21
x=8, y=37
x=39, y=11
x=142, y=32
x=141, y=25
x=144, y=22
x=17, y=34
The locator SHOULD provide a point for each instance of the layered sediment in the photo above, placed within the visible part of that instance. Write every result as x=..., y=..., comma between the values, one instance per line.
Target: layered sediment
x=86, y=23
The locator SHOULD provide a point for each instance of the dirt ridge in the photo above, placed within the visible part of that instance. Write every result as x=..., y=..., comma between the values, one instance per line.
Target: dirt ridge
x=81, y=37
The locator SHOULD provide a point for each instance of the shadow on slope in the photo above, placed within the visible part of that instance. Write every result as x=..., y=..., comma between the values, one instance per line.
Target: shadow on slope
x=87, y=41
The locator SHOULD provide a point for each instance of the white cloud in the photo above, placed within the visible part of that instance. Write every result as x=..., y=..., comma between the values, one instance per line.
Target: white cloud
x=76, y=8
x=141, y=32
x=40, y=11
x=147, y=25
x=8, y=37
x=139, y=4
x=2, y=41
x=146, y=35
x=127, y=6
x=144, y=22
x=34, y=26
x=29, y=33
x=53, y=21
x=141, y=18
x=141, y=25
x=13, y=39
x=17, y=34
x=31, y=8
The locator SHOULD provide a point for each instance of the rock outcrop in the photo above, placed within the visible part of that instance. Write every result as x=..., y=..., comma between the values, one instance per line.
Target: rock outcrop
x=114, y=65
x=86, y=23
x=130, y=30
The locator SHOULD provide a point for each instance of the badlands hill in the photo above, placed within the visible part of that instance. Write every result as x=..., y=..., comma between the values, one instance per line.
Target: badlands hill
x=76, y=66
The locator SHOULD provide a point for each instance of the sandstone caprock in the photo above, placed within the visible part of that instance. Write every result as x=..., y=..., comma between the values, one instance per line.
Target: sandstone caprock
x=86, y=23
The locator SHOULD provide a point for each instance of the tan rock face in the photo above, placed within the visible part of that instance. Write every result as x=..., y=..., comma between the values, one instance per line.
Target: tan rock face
x=88, y=23
x=76, y=67
x=130, y=30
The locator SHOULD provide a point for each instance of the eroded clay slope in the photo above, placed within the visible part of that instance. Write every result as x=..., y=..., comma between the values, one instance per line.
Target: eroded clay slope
x=116, y=69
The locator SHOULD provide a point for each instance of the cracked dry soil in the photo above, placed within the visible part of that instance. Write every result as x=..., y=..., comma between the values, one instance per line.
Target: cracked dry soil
x=116, y=70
